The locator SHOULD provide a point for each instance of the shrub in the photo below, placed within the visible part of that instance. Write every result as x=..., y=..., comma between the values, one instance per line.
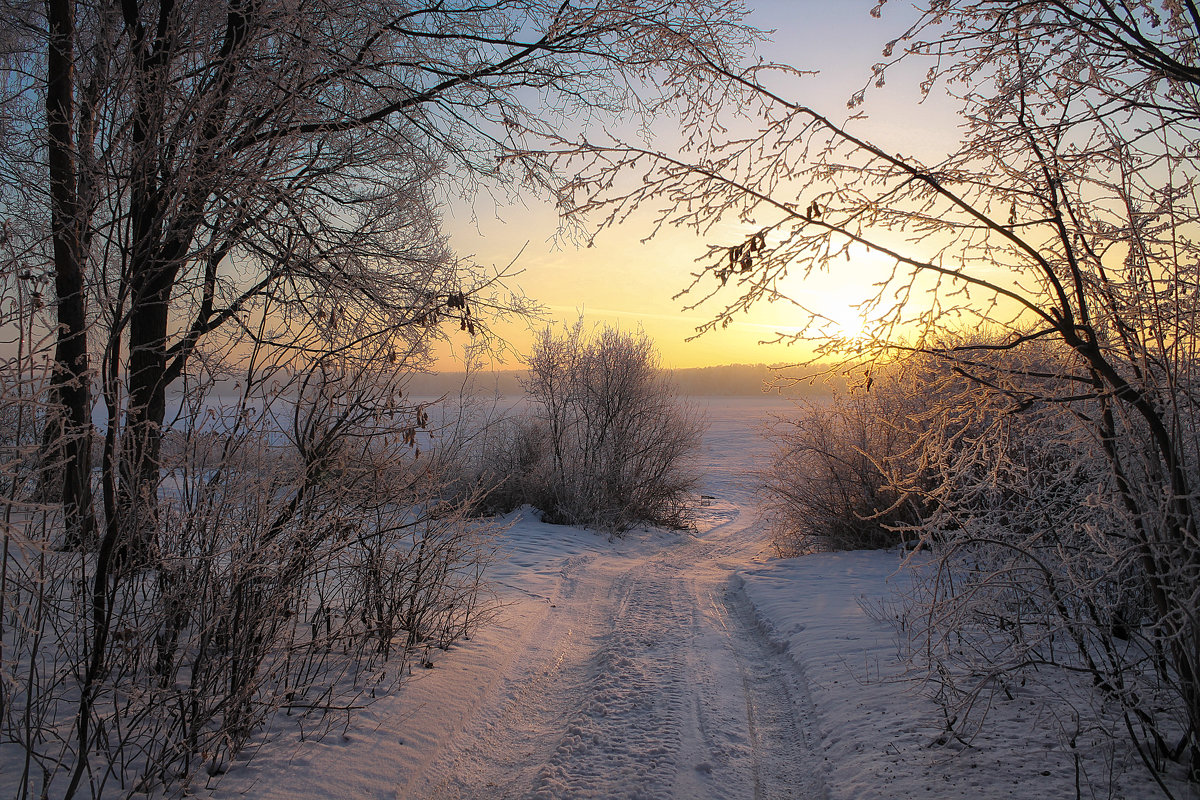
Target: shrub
x=304, y=555
x=1049, y=557
x=607, y=442
x=827, y=486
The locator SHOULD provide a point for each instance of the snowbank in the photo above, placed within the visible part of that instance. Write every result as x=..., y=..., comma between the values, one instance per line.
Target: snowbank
x=882, y=734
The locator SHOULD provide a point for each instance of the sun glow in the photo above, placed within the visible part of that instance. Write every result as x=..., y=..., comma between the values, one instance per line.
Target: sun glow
x=843, y=321
x=828, y=304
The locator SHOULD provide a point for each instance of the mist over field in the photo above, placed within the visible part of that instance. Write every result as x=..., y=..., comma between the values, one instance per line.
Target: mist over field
x=729, y=380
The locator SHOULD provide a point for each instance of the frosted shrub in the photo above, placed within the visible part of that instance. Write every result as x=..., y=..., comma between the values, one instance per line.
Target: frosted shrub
x=1039, y=573
x=296, y=569
x=506, y=464
x=1049, y=569
x=608, y=443
x=827, y=486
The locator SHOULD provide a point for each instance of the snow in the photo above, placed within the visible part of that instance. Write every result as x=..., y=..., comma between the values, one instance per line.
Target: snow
x=881, y=735
x=671, y=665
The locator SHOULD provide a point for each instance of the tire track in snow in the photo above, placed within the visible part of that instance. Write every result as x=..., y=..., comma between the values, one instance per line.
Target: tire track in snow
x=779, y=709
x=660, y=682
x=625, y=739
x=685, y=697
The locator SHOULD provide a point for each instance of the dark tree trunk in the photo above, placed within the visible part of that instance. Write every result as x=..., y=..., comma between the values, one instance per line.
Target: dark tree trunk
x=150, y=281
x=66, y=451
x=142, y=443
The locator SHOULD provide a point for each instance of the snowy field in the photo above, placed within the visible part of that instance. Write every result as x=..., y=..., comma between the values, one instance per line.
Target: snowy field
x=671, y=665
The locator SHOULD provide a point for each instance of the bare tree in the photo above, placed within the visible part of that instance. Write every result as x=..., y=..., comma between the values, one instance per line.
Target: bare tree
x=228, y=153
x=242, y=225
x=1066, y=214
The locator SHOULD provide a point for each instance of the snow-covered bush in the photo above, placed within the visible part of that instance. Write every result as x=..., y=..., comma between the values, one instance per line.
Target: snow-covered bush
x=507, y=464
x=1046, y=551
x=827, y=485
x=1050, y=558
x=608, y=442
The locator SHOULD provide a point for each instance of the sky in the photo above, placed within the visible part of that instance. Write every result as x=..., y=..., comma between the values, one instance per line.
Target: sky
x=629, y=283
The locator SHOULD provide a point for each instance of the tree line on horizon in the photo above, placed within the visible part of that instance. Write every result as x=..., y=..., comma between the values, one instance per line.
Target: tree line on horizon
x=723, y=380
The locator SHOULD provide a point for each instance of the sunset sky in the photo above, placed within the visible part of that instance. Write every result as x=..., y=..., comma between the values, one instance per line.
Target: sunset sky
x=626, y=282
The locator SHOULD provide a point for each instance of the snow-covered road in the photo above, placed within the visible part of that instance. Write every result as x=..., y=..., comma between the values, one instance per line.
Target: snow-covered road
x=643, y=676
x=640, y=671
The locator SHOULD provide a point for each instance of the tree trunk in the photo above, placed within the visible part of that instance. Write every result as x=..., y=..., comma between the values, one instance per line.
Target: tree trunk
x=141, y=456
x=150, y=281
x=66, y=448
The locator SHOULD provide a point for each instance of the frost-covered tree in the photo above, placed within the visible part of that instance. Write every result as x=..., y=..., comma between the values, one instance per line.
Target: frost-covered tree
x=1065, y=216
x=192, y=189
x=206, y=157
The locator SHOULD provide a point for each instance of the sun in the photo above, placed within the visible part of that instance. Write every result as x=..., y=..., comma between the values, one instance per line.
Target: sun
x=839, y=301
x=843, y=321
x=820, y=306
